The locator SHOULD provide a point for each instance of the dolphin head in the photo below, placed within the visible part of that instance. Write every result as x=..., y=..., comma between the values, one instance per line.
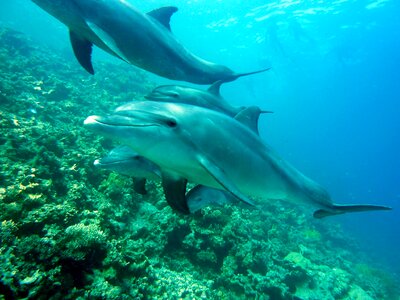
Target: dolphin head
x=187, y=95
x=176, y=94
x=149, y=128
x=126, y=161
x=165, y=93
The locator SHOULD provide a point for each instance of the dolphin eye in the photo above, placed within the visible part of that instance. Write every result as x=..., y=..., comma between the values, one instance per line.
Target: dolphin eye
x=171, y=123
x=174, y=95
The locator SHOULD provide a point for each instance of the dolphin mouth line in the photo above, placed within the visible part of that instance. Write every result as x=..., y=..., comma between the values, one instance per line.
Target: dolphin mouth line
x=157, y=96
x=116, y=162
x=123, y=125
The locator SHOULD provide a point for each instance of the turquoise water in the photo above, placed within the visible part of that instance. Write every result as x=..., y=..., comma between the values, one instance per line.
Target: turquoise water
x=333, y=87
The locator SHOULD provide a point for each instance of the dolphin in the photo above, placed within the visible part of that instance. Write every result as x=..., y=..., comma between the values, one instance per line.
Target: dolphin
x=210, y=98
x=191, y=143
x=124, y=160
x=144, y=40
x=201, y=196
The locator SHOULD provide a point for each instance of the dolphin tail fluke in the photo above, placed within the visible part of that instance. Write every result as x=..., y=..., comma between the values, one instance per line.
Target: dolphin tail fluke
x=338, y=209
x=236, y=76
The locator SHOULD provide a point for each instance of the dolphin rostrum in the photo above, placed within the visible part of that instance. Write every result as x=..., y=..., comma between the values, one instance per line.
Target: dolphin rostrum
x=144, y=40
x=125, y=161
x=209, y=148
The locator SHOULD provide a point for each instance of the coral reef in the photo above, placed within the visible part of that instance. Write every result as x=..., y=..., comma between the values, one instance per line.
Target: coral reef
x=70, y=231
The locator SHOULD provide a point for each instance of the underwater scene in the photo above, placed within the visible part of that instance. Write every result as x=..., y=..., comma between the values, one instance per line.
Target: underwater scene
x=199, y=149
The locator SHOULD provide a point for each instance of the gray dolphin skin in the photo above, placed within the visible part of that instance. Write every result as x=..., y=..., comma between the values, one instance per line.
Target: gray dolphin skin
x=144, y=40
x=125, y=161
x=191, y=143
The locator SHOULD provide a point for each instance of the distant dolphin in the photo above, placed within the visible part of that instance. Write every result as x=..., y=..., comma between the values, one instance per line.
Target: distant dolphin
x=144, y=40
x=125, y=161
x=201, y=196
x=210, y=98
x=199, y=145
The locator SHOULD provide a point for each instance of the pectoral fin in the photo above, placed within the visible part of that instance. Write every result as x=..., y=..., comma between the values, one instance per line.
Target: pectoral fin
x=219, y=175
x=175, y=191
x=107, y=40
x=338, y=209
x=82, y=50
x=140, y=186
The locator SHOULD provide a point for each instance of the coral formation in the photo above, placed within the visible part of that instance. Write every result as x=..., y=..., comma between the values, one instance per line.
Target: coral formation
x=70, y=231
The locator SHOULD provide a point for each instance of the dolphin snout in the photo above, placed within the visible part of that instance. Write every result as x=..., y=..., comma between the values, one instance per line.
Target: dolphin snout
x=91, y=120
x=164, y=96
x=154, y=95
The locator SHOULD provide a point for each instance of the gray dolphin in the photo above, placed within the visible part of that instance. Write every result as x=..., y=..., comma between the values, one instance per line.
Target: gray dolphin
x=144, y=40
x=124, y=160
x=209, y=148
x=201, y=196
x=210, y=98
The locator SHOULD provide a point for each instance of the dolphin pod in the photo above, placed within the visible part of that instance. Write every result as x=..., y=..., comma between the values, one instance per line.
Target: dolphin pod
x=196, y=144
x=144, y=40
x=183, y=134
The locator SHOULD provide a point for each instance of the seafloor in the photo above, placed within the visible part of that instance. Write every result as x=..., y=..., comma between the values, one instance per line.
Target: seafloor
x=71, y=231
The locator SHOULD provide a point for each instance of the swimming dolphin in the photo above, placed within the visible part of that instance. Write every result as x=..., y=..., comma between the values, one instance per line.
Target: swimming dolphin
x=144, y=40
x=209, y=148
x=201, y=196
x=124, y=160
x=210, y=98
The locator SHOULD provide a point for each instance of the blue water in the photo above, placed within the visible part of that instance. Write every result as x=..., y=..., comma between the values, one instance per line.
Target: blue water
x=334, y=88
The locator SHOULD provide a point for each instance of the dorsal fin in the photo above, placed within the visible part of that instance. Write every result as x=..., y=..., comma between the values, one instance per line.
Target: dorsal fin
x=249, y=117
x=163, y=15
x=215, y=88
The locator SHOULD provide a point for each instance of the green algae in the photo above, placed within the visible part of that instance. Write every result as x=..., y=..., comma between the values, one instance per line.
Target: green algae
x=71, y=231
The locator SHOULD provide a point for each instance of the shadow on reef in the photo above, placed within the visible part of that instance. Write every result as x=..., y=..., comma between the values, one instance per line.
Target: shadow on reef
x=71, y=231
